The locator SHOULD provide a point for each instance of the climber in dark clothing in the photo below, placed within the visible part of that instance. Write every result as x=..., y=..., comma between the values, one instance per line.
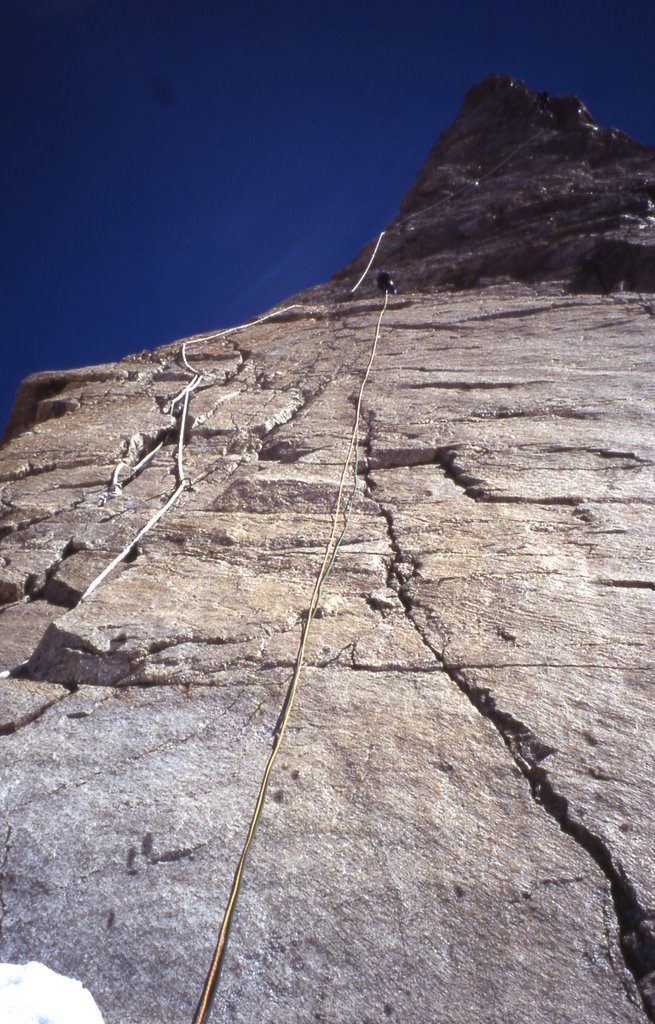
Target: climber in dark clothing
x=385, y=283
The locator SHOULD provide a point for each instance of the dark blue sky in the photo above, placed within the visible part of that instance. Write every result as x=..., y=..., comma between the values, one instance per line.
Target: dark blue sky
x=172, y=166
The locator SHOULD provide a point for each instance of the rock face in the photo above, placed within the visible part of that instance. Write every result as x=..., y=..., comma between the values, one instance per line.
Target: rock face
x=526, y=186
x=461, y=825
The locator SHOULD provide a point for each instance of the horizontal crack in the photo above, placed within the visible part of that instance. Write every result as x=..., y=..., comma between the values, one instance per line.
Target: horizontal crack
x=628, y=584
x=468, y=385
x=534, y=412
x=30, y=470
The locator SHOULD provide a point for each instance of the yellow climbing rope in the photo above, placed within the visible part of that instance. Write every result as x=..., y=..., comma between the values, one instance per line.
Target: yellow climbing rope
x=341, y=515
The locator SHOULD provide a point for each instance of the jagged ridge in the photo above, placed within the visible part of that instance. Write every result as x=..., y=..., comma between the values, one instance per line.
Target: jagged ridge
x=526, y=186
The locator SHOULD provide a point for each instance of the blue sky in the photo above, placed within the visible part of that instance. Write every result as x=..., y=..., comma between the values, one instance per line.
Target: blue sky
x=172, y=166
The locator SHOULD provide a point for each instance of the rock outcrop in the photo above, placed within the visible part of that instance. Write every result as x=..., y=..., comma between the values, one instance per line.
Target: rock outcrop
x=460, y=826
x=526, y=186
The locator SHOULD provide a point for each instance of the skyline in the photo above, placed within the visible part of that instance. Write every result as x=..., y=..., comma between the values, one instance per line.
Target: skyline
x=172, y=168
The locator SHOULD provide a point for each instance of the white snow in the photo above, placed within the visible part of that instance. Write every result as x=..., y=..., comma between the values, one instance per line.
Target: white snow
x=33, y=994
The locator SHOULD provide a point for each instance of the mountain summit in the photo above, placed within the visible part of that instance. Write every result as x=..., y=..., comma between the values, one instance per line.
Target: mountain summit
x=460, y=826
x=526, y=186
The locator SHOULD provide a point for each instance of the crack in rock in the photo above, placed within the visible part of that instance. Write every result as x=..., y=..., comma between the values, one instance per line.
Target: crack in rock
x=636, y=924
x=446, y=458
x=284, y=450
x=32, y=470
x=467, y=385
x=43, y=586
x=11, y=726
x=628, y=584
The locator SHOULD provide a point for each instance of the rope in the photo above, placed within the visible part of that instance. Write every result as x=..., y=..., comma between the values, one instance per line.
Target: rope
x=115, y=486
x=446, y=199
x=476, y=181
x=333, y=544
x=183, y=396
x=186, y=362
x=331, y=550
x=370, y=262
x=242, y=327
x=182, y=485
x=185, y=408
x=126, y=550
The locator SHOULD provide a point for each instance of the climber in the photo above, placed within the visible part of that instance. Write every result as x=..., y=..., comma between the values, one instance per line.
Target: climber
x=385, y=283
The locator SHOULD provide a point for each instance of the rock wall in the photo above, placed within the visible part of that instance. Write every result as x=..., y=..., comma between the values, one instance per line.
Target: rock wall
x=460, y=826
x=527, y=187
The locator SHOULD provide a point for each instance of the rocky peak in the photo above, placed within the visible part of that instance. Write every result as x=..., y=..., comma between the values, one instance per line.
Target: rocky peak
x=526, y=186
x=501, y=111
x=460, y=826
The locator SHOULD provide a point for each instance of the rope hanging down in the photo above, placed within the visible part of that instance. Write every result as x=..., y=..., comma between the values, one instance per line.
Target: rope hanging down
x=370, y=262
x=475, y=183
x=341, y=514
x=335, y=539
x=116, y=485
x=182, y=482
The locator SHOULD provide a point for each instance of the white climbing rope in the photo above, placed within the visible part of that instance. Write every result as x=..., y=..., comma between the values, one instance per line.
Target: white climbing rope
x=475, y=183
x=370, y=262
x=180, y=441
x=183, y=483
x=116, y=487
x=186, y=362
x=135, y=540
x=242, y=327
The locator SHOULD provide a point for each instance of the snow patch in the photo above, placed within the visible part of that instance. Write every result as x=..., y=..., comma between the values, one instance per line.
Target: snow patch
x=33, y=994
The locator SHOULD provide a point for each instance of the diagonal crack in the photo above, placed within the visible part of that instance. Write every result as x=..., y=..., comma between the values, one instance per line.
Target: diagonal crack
x=446, y=458
x=636, y=924
x=8, y=728
x=165, y=857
